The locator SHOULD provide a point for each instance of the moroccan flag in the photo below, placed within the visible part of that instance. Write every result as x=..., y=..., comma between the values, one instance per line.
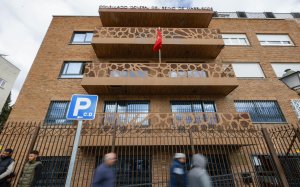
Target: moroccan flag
x=158, y=43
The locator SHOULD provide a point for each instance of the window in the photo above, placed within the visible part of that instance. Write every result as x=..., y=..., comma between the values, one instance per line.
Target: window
x=54, y=171
x=266, y=172
x=227, y=15
x=82, y=37
x=181, y=73
x=57, y=113
x=296, y=106
x=72, y=70
x=2, y=83
x=261, y=111
x=194, y=110
x=274, y=40
x=235, y=39
x=248, y=70
x=132, y=170
x=279, y=68
x=129, y=112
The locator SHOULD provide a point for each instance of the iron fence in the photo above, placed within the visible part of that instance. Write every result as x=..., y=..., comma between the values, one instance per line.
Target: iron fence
x=237, y=156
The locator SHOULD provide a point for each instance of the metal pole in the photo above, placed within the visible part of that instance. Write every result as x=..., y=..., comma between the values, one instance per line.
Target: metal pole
x=274, y=157
x=191, y=141
x=74, y=153
x=159, y=56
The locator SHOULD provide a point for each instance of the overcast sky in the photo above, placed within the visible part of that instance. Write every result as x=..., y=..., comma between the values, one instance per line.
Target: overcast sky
x=23, y=23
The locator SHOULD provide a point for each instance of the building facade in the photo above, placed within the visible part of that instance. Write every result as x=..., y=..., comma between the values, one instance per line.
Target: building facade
x=8, y=76
x=217, y=71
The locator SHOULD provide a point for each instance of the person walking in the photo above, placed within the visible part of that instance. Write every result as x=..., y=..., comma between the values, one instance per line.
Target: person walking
x=178, y=173
x=32, y=171
x=7, y=165
x=198, y=176
x=104, y=175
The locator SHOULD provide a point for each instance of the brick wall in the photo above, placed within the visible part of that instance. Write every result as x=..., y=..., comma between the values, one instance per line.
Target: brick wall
x=43, y=85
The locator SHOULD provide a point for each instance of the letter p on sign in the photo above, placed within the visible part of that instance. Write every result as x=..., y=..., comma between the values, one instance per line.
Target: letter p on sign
x=82, y=107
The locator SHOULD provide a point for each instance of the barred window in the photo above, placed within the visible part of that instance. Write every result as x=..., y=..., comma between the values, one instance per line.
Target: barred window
x=135, y=112
x=261, y=111
x=54, y=170
x=57, y=112
x=194, y=107
x=132, y=170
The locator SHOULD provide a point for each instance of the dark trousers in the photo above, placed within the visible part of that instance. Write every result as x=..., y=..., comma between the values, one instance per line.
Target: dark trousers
x=4, y=184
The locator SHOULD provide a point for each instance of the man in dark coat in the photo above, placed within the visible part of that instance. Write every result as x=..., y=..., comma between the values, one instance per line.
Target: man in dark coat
x=6, y=167
x=104, y=175
x=32, y=171
x=178, y=173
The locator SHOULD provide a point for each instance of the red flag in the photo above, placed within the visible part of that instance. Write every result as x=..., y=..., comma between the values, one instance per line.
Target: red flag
x=158, y=43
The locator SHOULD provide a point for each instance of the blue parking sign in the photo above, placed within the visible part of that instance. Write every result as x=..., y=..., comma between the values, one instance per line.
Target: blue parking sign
x=82, y=107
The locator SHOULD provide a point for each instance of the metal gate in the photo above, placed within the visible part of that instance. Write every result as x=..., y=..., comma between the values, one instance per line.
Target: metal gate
x=251, y=156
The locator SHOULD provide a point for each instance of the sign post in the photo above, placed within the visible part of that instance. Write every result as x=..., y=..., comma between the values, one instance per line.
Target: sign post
x=82, y=107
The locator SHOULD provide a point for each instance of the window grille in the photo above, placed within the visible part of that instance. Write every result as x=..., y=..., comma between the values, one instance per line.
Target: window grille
x=54, y=171
x=133, y=112
x=200, y=110
x=261, y=111
x=57, y=112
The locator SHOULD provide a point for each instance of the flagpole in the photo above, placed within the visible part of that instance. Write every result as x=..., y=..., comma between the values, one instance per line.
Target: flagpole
x=159, y=56
x=159, y=52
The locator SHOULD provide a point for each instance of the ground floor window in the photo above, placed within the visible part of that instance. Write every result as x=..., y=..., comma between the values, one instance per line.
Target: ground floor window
x=132, y=170
x=54, y=171
x=266, y=171
x=194, y=112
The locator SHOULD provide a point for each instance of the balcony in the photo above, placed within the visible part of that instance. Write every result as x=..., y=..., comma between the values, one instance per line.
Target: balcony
x=137, y=42
x=133, y=127
x=126, y=17
x=158, y=78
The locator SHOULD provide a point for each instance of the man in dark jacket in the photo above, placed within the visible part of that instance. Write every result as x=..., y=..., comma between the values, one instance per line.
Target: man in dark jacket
x=32, y=171
x=178, y=174
x=198, y=176
x=104, y=175
x=6, y=167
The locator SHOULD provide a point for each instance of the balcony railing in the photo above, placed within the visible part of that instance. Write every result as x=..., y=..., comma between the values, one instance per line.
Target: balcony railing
x=138, y=42
x=146, y=32
x=167, y=70
x=196, y=121
x=158, y=78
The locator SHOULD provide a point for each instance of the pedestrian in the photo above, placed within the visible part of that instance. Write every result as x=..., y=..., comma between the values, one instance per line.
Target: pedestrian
x=6, y=167
x=198, y=176
x=31, y=171
x=104, y=175
x=178, y=173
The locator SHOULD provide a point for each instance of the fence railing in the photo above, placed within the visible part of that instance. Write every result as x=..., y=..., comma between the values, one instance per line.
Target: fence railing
x=245, y=156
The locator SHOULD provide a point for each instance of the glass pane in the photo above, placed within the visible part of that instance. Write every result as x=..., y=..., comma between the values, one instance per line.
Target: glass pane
x=78, y=37
x=250, y=70
x=89, y=37
x=72, y=68
x=280, y=68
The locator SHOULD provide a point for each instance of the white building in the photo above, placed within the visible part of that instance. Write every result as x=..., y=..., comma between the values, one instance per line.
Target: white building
x=8, y=76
